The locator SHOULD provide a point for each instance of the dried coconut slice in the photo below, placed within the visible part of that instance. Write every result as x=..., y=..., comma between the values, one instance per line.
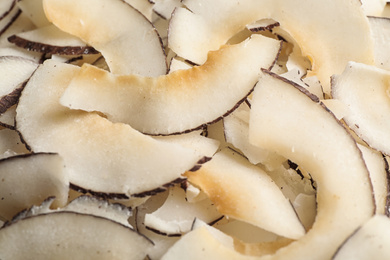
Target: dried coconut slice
x=100, y=156
x=57, y=236
x=5, y=7
x=364, y=90
x=287, y=119
x=10, y=143
x=14, y=71
x=380, y=27
x=370, y=241
x=176, y=215
x=30, y=179
x=50, y=40
x=165, y=8
x=144, y=7
x=243, y=191
x=127, y=40
x=373, y=7
x=34, y=10
x=341, y=29
x=9, y=19
x=179, y=102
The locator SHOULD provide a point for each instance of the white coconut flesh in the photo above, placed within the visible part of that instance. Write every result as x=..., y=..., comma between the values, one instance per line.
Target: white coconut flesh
x=228, y=179
x=341, y=34
x=90, y=144
x=370, y=241
x=301, y=129
x=56, y=236
x=10, y=143
x=36, y=176
x=127, y=40
x=33, y=9
x=364, y=90
x=5, y=7
x=380, y=28
x=181, y=101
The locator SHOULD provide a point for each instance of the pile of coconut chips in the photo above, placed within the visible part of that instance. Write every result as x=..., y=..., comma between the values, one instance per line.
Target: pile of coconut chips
x=194, y=129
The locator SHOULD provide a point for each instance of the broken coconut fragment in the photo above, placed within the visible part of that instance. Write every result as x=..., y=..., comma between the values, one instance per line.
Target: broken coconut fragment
x=364, y=90
x=330, y=33
x=243, y=191
x=127, y=40
x=295, y=124
x=57, y=236
x=26, y=180
x=181, y=101
x=100, y=156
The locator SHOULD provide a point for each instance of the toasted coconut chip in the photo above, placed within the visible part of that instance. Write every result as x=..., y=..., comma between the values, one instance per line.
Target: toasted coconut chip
x=286, y=118
x=377, y=166
x=243, y=191
x=10, y=144
x=34, y=10
x=236, y=128
x=370, y=241
x=176, y=215
x=100, y=156
x=341, y=29
x=57, y=236
x=310, y=83
x=380, y=28
x=51, y=40
x=364, y=90
x=9, y=19
x=204, y=242
x=29, y=179
x=127, y=40
x=179, y=102
x=13, y=72
x=5, y=7
x=165, y=8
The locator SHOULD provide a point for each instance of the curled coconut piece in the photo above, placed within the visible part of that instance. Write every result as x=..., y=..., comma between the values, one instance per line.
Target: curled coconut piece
x=243, y=191
x=364, y=90
x=57, y=236
x=286, y=118
x=181, y=101
x=127, y=40
x=99, y=155
x=330, y=33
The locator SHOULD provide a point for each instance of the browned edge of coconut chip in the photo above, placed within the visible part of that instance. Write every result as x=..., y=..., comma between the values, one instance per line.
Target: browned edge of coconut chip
x=13, y=19
x=9, y=10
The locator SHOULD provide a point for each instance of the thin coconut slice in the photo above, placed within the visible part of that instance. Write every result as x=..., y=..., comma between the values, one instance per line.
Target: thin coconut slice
x=286, y=118
x=57, y=236
x=236, y=128
x=7, y=119
x=5, y=7
x=34, y=10
x=377, y=165
x=14, y=71
x=176, y=215
x=204, y=242
x=370, y=241
x=341, y=29
x=364, y=89
x=29, y=179
x=9, y=19
x=10, y=143
x=373, y=7
x=181, y=101
x=51, y=40
x=243, y=191
x=380, y=28
x=165, y=8
x=127, y=40
x=100, y=156
x=145, y=7
x=263, y=25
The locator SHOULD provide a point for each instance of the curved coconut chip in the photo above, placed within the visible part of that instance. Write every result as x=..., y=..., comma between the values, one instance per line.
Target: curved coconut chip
x=9, y=19
x=56, y=236
x=364, y=90
x=51, y=40
x=330, y=33
x=179, y=102
x=100, y=156
x=127, y=40
x=30, y=179
x=300, y=128
x=5, y=7
x=34, y=11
